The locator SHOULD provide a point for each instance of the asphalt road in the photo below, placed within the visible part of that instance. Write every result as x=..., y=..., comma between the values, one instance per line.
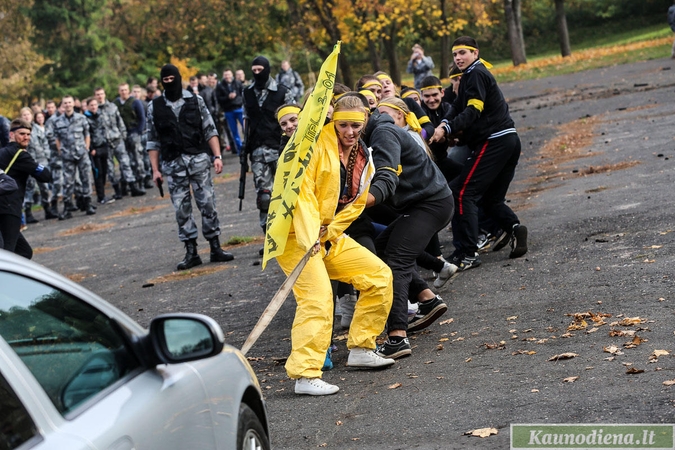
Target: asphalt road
x=595, y=188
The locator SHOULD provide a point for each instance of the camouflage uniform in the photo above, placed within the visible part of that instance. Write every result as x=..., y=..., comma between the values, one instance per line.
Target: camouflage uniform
x=189, y=170
x=71, y=133
x=55, y=164
x=263, y=158
x=116, y=133
x=38, y=148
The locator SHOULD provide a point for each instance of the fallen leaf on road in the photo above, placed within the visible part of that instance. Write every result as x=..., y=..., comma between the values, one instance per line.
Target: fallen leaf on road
x=570, y=379
x=578, y=324
x=613, y=349
x=459, y=339
x=325, y=444
x=482, y=432
x=637, y=340
x=511, y=318
x=655, y=246
x=567, y=335
x=656, y=353
x=567, y=355
x=428, y=362
x=255, y=358
x=622, y=333
x=633, y=370
x=592, y=330
x=439, y=347
x=338, y=423
x=541, y=341
x=669, y=382
x=445, y=322
x=394, y=386
x=524, y=352
x=494, y=345
x=630, y=321
x=443, y=339
x=467, y=360
x=534, y=390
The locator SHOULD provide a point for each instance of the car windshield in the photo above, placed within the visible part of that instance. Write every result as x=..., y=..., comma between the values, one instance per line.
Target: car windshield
x=73, y=350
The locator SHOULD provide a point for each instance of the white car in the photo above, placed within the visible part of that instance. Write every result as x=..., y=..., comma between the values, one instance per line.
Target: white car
x=77, y=373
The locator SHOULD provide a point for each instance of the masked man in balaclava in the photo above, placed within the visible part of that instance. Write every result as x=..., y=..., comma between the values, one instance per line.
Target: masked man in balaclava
x=183, y=137
x=261, y=100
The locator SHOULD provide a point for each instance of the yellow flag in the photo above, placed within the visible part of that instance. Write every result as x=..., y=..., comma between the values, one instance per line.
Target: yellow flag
x=295, y=158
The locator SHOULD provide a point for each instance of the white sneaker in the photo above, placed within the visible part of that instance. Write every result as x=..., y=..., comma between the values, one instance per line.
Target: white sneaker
x=314, y=386
x=363, y=357
x=447, y=272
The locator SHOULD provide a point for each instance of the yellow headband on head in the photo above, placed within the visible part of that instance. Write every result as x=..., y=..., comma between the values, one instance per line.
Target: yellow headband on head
x=424, y=88
x=337, y=97
x=368, y=93
x=351, y=116
x=371, y=83
x=410, y=118
x=384, y=76
x=465, y=47
x=407, y=94
x=290, y=109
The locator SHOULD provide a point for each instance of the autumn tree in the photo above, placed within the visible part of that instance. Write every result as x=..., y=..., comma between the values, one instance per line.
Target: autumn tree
x=515, y=31
x=19, y=60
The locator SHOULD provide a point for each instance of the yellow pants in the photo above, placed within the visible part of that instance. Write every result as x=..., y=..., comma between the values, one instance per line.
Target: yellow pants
x=349, y=262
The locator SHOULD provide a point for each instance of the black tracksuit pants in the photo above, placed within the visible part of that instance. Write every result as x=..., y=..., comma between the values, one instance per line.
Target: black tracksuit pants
x=401, y=243
x=484, y=182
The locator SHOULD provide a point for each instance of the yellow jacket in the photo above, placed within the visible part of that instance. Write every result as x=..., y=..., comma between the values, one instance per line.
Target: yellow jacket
x=320, y=191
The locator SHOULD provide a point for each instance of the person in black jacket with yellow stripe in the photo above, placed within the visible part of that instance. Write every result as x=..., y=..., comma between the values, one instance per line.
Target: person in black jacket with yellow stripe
x=480, y=116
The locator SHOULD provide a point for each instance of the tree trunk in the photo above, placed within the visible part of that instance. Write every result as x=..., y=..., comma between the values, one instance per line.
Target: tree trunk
x=445, y=45
x=515, y=31
x=374, y=56
x=392, y=56
x=561, y=23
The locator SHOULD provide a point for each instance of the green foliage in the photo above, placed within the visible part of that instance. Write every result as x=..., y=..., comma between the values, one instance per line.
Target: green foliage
x=236, y=240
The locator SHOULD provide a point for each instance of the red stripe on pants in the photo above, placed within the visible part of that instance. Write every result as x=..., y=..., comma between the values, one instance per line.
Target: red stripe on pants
x=468, y=177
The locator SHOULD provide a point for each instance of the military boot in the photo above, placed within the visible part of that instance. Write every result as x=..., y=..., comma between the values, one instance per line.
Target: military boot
x=88, y=207
x=69, y=205
x=123, y=188
x=118, y=191
x=54, y=205
x=135, y=191
x=66, y=214
x=30, y=218
x=191, y=257
x=217, y=253
x=49, y=213
x=79, y=202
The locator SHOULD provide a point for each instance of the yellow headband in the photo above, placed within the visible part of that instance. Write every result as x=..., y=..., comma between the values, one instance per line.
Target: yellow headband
x=407, y=94
x=424, y=88
x=465, y=47
x=291, y=109
x=371, y=83
x=410, y=118
x=368, y=93
x=456, y=75
x=351, y=116
x=384, y=76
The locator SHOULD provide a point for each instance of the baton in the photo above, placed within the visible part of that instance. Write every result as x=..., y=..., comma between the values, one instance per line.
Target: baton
x=275, y=304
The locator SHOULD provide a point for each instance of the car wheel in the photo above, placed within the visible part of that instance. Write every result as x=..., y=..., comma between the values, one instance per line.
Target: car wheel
x=250, y=434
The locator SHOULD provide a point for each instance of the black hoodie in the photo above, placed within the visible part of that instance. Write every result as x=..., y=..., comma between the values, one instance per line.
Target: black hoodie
x=395, y=151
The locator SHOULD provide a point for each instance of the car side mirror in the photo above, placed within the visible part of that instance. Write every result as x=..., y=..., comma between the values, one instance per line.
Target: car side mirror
x=178, y=338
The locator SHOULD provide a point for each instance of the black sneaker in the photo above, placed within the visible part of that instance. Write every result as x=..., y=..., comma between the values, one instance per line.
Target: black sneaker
x=427, y=313
x=394, y=351
x=518, y=241
x=502, y=239
x=465, y=262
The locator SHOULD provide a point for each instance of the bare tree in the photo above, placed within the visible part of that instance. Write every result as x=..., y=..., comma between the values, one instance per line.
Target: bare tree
x=445, y=45
x=515, y=31
x=561, y=23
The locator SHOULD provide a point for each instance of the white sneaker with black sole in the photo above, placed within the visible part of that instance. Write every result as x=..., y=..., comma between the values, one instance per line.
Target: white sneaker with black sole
x=314, y=386
x=445, y=274
x=367, y=359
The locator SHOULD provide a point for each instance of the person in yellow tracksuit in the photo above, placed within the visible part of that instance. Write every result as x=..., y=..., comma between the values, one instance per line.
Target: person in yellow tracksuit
x=334, y=193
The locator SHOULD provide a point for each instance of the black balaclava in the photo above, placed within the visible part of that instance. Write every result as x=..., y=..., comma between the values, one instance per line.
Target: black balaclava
x=260, y=79
x=174, y=90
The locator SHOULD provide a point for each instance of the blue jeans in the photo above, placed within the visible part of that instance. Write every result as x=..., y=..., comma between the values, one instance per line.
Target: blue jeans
x=232, y=118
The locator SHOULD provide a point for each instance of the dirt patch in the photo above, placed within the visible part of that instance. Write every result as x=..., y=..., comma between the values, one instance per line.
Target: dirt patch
x=87, y=228
x=134, y=210
x=225, y=178
x=189, y=274
x=610, y=167
x=41, y=250
x=596, y=190
x=78, y=277
x=570, y=144
x=255, y=241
